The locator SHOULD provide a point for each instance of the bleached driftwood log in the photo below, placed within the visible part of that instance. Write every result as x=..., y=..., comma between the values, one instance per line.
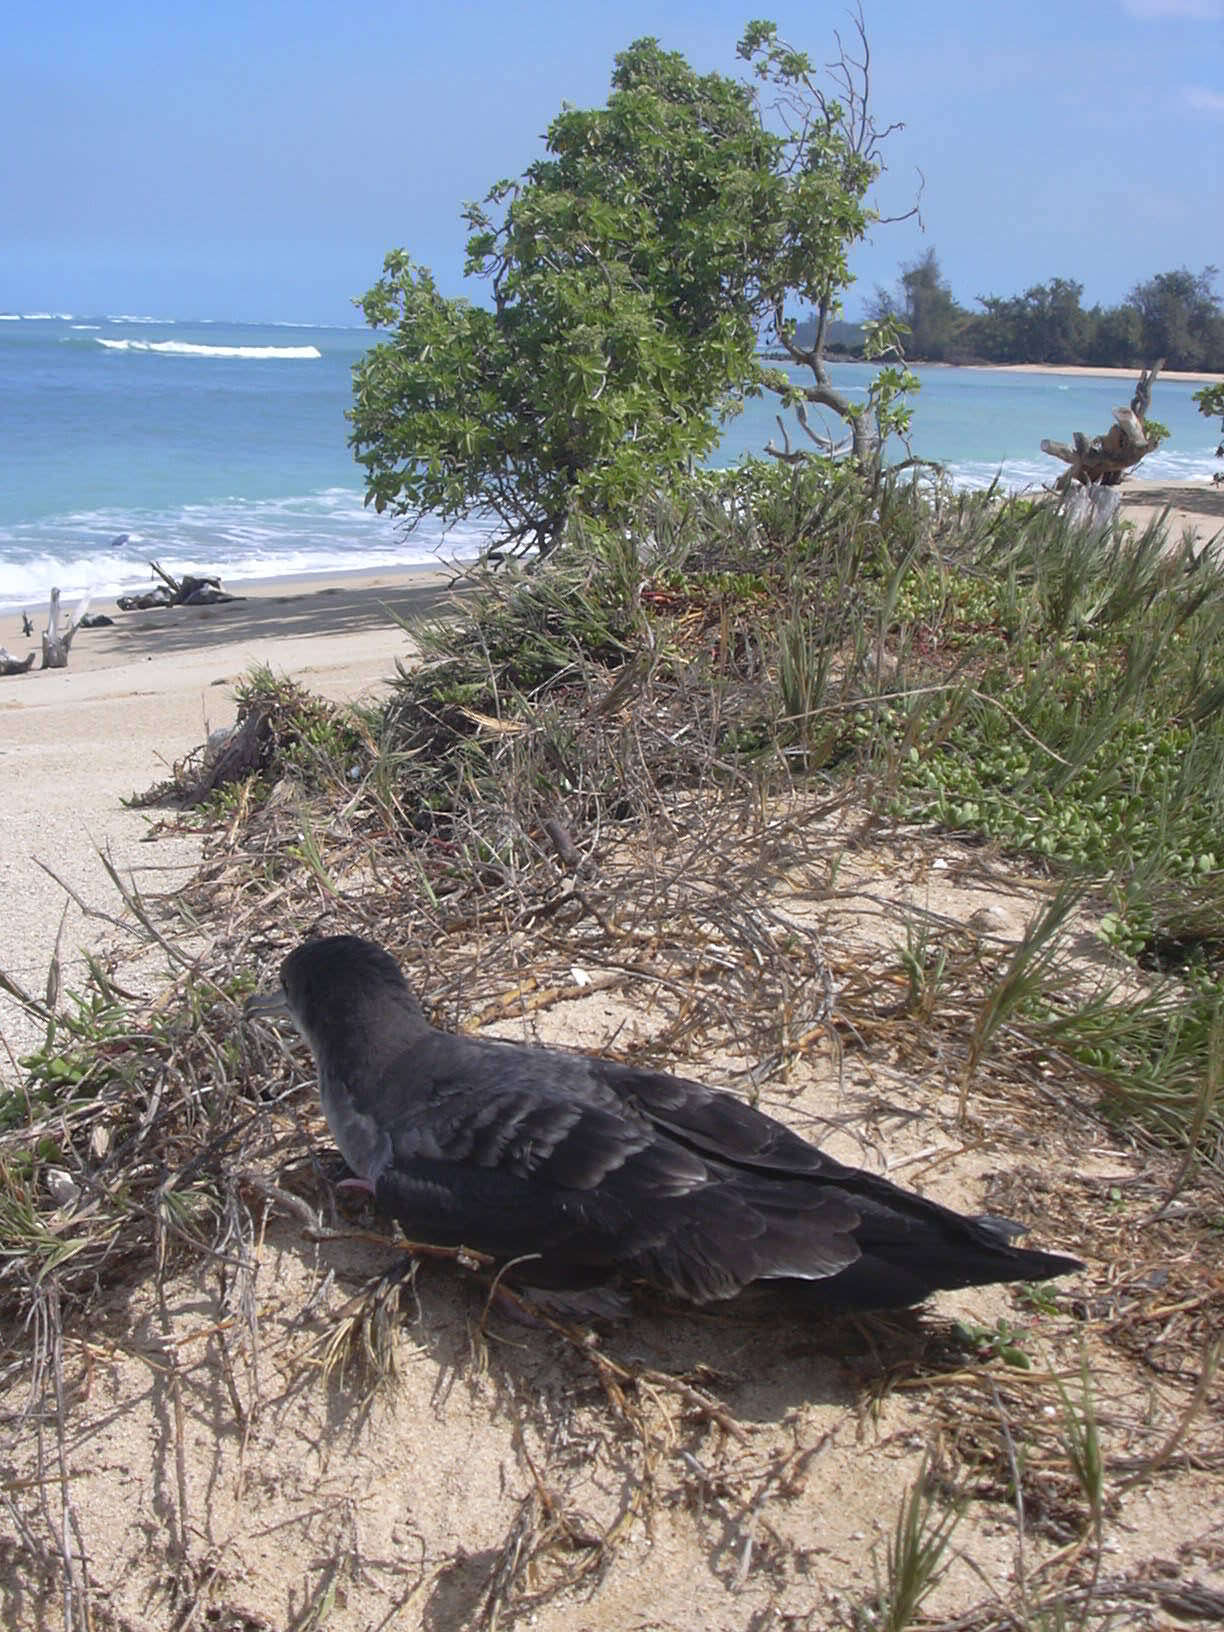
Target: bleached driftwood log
x=15, y=665
x=1106, y=459
x=1092, y=507
x=188, y=591
x=55, y=643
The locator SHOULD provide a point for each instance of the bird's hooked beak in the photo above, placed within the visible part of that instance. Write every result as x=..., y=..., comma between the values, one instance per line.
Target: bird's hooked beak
x=267, y=1006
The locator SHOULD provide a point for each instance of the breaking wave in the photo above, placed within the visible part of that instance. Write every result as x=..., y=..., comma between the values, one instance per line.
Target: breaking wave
x=105, y=552
x=189, y=348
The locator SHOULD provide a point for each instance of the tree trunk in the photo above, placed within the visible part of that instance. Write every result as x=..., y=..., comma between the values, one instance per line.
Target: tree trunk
x=54, y=644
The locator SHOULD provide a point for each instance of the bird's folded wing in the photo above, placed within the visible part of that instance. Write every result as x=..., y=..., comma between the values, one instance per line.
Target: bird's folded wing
x=716, y=1124
x=529, y=1130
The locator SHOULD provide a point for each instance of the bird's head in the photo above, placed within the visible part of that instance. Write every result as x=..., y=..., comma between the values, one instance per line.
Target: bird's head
x=331, y=986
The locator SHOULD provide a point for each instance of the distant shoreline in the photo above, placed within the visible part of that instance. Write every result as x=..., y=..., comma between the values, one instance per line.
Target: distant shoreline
x=1084, y=371
x=1087, y=372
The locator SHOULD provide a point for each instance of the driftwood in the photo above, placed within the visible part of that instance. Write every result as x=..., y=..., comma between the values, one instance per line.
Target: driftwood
x=1105, y=459
x=54, y=643
x=55, y=640
x=15, y=665
x=187, y=591
x=1091, y=508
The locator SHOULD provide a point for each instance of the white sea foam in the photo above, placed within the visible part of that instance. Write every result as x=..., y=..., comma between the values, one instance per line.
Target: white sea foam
x=327, y=531
x=188, y=348
x=85, y=325
x=128, y=317
x=10, y=317
x=1012, y=475
x=1019, y=475
x=47, y=317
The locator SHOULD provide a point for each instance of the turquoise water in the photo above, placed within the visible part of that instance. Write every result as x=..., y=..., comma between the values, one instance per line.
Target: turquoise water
x=222, y=447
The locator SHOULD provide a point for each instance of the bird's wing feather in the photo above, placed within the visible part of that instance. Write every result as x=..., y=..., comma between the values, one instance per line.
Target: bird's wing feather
x=510, y=1109
x=715, y=1123
x=495, y=1210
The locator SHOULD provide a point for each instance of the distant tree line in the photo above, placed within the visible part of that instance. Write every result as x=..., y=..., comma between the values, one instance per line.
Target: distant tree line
x=1175, y=315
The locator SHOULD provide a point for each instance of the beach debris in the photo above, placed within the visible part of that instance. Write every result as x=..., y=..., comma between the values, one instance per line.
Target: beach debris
x=1104, y=460
x=1092, y=508
x=55, y=643
x=62, y=1187
x=185, y=591
x=146, y=601
x=27, y=626
x=272, y=715
x=15, y=665
x=96, y=620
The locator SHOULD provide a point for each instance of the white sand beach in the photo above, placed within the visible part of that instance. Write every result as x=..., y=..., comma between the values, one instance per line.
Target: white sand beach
x=1076, y=370
x=136, y=697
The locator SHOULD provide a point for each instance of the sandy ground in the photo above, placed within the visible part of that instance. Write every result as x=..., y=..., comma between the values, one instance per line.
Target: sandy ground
x=1194, y=508
x=1073, y=370
x=136, y=697
x=216, y=1478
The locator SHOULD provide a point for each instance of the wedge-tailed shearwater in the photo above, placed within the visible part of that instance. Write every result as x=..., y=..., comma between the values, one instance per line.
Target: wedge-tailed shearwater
x=593, y=1171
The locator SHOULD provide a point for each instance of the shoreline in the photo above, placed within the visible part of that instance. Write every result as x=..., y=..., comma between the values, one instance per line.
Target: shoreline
x=1083, y=371
x=275, y=609
x=1088, y=371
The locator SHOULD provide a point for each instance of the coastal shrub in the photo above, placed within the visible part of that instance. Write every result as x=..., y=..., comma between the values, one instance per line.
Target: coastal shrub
x=630, y=274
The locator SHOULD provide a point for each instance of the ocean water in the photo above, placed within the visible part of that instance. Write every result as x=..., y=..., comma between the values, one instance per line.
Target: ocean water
x=222, y=448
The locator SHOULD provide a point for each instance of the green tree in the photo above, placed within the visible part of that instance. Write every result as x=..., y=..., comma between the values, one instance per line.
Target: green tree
x=1117, y=337
x=1046, y=324
x=630, y=271
x=625, y=294
x=1211, y=402
x=930, y=310
x=1181, y=318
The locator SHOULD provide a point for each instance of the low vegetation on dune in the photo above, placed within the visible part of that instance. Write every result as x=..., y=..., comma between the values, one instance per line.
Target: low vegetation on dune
x=675, y=775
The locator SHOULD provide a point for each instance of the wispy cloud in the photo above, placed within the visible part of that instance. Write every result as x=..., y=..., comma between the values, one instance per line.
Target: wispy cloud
x=1202, y=100
x=1202, y=11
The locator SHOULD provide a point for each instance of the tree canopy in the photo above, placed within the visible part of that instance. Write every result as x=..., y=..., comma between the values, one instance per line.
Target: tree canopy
x=926, y=305
x=1176, y=315
x=630, y=271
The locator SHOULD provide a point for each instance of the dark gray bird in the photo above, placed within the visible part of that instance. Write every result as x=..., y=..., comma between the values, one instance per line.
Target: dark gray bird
x=604, y=1171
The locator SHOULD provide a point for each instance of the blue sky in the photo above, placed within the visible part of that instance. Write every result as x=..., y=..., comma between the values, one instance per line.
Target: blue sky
x=256, y=159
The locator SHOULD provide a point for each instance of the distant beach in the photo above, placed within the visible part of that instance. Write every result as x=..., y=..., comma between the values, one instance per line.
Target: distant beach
x=1075, y=371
